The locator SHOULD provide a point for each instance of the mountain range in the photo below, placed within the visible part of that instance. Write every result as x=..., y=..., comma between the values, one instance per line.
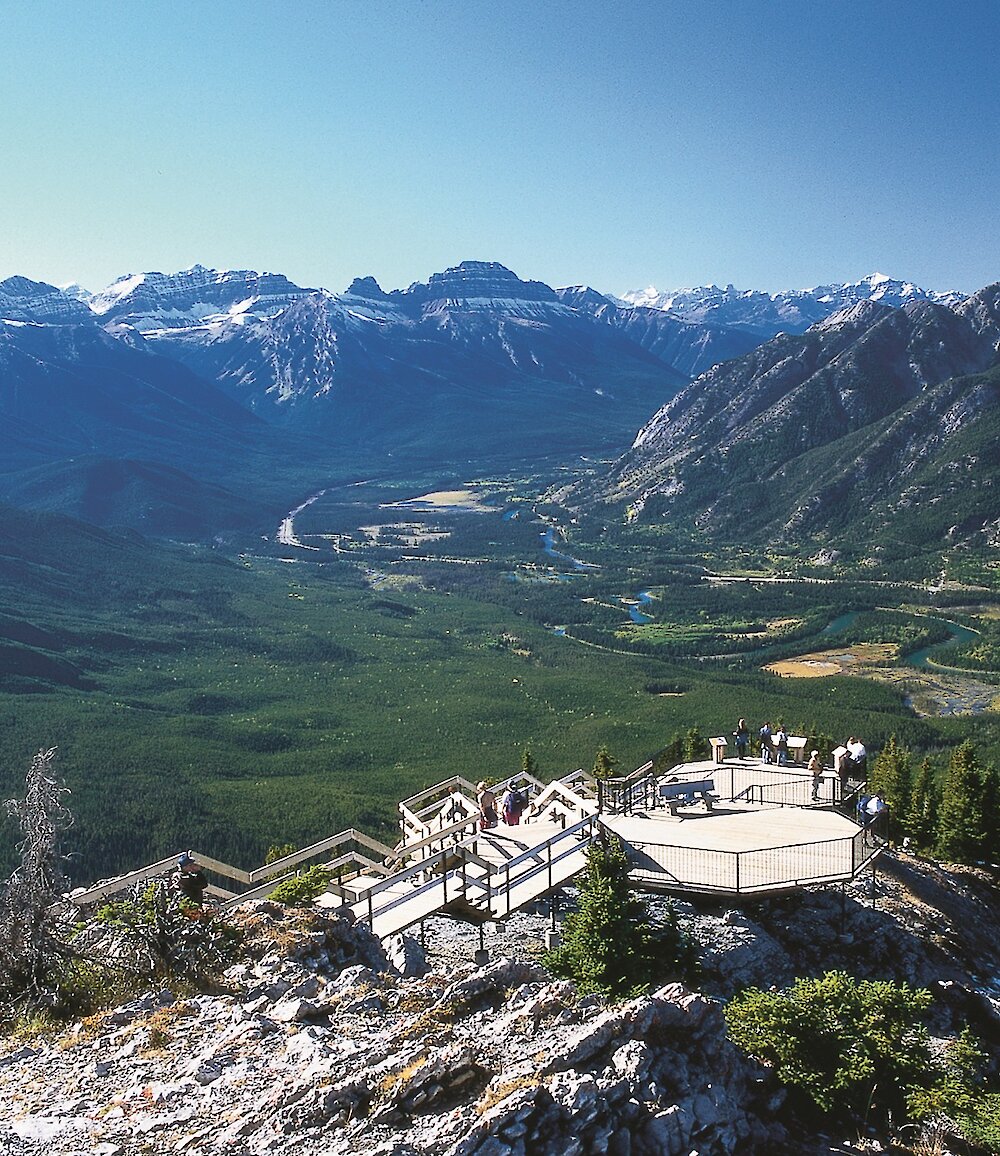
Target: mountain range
x=878, y=424
x=178, y=403
x=767, y=314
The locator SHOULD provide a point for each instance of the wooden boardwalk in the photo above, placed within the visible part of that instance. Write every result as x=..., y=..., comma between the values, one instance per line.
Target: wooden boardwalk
x=763, y=833
x=484, y=877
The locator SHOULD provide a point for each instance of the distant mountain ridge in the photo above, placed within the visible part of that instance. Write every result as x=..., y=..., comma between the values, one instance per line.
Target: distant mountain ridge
x=233, y=374
x=238, y=375
x=792, y=311
x=876, y=417
x=152, y=300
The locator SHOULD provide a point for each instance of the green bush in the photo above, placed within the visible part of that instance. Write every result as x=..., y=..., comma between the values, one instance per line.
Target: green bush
x=303, y=889
x=610, y=946
x=856, y=1049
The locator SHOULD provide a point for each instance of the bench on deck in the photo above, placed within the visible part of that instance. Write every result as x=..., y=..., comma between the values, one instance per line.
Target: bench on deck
x=687, y=794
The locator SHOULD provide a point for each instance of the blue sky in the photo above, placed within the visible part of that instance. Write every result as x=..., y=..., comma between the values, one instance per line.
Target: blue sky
x=770, y=144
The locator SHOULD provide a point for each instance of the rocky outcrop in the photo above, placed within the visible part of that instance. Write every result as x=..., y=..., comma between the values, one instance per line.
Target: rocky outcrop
x=322, y=1043
x=319, y=1046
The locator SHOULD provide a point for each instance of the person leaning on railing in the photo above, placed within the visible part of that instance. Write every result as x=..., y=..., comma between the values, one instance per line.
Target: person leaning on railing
x=189, y=880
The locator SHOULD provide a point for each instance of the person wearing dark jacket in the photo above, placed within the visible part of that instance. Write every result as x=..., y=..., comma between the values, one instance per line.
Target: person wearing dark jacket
x=189, y=879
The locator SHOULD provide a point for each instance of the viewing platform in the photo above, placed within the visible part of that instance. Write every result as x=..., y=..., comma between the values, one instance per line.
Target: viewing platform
x=730, y=829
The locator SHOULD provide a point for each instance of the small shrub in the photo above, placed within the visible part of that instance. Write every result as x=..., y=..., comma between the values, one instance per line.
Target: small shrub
x=303, y=889
x=858, y=1050
x=610, y=946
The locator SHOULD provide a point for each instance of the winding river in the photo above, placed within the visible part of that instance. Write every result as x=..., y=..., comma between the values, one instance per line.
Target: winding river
x=919, y=658
x=548, y=537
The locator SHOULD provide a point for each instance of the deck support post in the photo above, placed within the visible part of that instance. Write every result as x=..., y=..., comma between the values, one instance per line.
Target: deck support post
x=482, y=957
x=553, y=936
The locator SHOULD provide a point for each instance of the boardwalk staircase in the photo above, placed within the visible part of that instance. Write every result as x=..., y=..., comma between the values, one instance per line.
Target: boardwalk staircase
x=448, y=865
x=443, y=863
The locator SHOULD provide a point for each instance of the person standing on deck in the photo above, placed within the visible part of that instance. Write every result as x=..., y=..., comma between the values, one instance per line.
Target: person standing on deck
x=742, y=737
x=512, y=804
x=487, y=802
x=781, y=744
x=815, y=768
x=766, y=750
x=858, y=755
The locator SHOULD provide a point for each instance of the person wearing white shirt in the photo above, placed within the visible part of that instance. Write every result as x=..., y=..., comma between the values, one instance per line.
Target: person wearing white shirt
x=857, y=753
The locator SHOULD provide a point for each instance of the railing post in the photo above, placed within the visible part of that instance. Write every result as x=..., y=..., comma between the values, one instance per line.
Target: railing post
x=371, y=915
x=548, y=847
x=507, y=873
x=444, y=879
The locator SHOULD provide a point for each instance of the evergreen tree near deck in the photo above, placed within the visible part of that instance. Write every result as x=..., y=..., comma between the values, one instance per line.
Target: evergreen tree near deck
x=670, y=755
x=529, y=764
x=961, y=820
x=924, y=806
x=890, y=777
x=604, y=764
x=610, y=946
x=695, y=746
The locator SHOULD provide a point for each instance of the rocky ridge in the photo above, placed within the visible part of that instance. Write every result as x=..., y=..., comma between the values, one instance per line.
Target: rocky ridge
x=792, y=311
x=849, y=416
x=323, y=1047
x=323, y=1042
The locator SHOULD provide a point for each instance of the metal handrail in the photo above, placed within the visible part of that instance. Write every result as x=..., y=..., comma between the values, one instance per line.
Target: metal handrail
x=267, y=876
x=866, y=845
x=547, y=864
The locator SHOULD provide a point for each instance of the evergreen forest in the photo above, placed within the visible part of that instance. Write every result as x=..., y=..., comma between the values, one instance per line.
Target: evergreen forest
x=249, y=694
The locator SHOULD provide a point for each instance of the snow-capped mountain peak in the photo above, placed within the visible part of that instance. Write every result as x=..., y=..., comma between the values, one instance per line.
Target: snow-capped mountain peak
x=158, y=300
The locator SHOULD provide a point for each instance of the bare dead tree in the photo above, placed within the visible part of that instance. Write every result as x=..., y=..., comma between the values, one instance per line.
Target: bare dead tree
x=33, y=920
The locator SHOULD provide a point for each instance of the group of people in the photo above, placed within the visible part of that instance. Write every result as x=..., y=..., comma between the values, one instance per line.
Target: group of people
x=513, y=803
x=773, y=743
x=774, y=749
x=857, y=756
x=188, y=883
